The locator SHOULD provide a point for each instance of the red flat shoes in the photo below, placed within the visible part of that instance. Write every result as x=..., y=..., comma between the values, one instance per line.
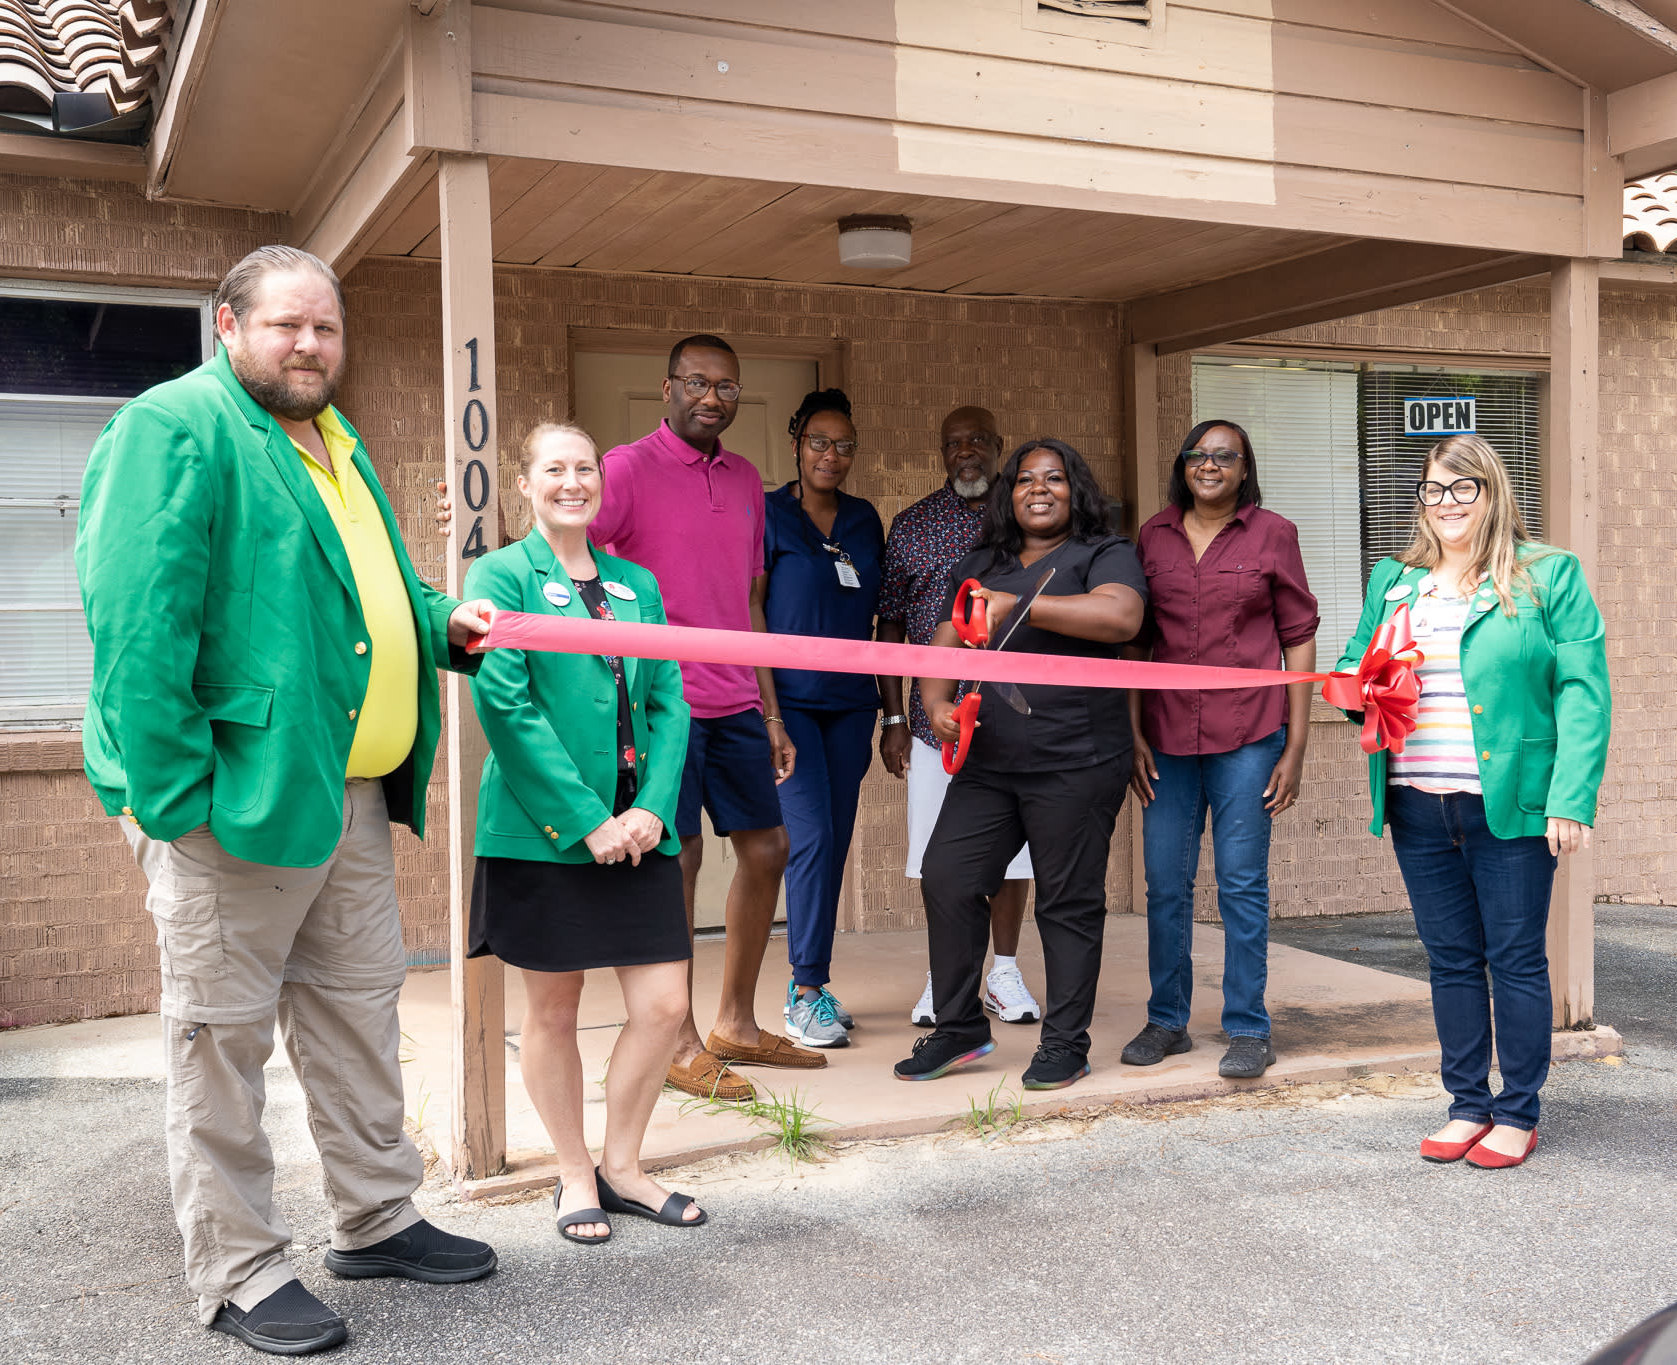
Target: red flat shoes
x=1487, y=1160
x=1442, y=1152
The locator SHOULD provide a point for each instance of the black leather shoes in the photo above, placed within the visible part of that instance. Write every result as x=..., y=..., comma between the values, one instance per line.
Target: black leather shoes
x=289, y=1322
x=1153, y=1044
x=420, y=1252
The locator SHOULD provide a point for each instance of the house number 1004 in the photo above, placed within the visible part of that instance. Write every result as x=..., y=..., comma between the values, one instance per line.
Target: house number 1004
x=474, y=483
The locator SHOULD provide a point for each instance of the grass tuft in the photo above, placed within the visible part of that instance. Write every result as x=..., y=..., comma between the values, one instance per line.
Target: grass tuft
x=992, y=1116
x=793, y=1123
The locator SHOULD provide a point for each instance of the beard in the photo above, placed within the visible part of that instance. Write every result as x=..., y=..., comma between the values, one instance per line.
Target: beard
x=273, y=390
x=971, y=488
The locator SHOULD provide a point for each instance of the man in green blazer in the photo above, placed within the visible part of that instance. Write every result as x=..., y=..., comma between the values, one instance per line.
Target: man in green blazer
x=264, y=703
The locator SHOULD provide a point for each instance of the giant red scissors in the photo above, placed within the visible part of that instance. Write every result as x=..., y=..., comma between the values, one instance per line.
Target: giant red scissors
x=972, y=623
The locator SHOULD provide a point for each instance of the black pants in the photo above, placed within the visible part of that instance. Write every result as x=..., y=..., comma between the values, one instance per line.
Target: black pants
x=1066, y=817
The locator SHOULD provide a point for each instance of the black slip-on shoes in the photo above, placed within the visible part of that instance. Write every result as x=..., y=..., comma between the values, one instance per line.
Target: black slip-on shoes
x=289, y=1322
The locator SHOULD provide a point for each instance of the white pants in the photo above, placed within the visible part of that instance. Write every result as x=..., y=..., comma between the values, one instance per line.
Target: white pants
x=927, y=782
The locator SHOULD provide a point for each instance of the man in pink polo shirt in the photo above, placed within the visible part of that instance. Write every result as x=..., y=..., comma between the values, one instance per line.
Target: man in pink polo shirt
x=679, y=504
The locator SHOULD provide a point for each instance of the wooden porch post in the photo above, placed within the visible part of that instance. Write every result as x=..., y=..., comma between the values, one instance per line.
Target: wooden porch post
x=1570, y=478
x=1143, y=492
x=478, y=1113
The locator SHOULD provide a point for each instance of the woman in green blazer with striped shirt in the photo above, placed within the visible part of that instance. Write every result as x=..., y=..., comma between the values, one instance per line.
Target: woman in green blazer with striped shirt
x=1499, y=777
x=576, y=855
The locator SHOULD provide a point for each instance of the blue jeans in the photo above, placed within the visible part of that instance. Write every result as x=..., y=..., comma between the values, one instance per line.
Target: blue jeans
x=818, y=803
x=1231, y=787
x=1481, y=905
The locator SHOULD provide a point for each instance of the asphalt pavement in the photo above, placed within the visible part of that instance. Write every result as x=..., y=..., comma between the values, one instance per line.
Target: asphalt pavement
x=1274, y=1226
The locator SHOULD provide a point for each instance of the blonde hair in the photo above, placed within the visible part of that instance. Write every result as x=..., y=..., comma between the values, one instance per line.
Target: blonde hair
x=1502, y=547
x=542, y=430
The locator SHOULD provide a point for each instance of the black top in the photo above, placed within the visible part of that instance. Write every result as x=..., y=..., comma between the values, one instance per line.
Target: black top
x=1069, y=727
x=594, y=596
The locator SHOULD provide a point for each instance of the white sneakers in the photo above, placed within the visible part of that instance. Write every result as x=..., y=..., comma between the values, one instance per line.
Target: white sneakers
x=1005, y=995
x=1008, y=998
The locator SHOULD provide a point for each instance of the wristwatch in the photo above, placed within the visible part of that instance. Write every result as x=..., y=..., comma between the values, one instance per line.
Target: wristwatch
x=886, y=722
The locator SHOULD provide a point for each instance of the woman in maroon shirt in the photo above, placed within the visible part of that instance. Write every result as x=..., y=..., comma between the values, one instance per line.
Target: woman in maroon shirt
x=1226, y=587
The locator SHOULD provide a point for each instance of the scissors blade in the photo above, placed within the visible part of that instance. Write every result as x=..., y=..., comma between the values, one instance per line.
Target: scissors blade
x=1009, y=692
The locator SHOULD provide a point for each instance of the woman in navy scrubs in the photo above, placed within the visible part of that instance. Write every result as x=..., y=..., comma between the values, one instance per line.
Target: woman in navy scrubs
x=821, y=551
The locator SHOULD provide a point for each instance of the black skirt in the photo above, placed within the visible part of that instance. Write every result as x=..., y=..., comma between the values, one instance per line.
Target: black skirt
x=570, y=917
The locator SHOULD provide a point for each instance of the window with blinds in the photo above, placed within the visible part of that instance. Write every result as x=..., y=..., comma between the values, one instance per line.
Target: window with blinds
x=1509, y=418
x=1333, y=456
x=1302, y=417
x=71, y=359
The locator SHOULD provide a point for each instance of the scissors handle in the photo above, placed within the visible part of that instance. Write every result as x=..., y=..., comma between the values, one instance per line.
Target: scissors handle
x=966, y=716
x=971, y=618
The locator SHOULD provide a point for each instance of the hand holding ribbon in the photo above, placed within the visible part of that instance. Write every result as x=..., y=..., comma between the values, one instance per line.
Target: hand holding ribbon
x=1384, y=687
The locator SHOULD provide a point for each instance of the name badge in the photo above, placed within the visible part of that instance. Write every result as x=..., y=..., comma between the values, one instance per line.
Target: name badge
x=1397, y=594
x=847, y=575
x=621, y=591
x=557, y=593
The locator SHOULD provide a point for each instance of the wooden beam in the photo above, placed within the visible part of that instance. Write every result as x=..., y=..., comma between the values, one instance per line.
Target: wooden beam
x=1642, y=126
x=554, y=123
x=177, y=101
x=439, y=76
x=1144, y=494
x=341, y=224
x=65, y=158
x=1573, y=522
x=1360, y=277
x=478, y=1113
x=1655, y=272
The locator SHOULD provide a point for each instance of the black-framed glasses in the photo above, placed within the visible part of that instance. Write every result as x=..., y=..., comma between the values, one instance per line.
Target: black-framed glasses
x=822, y=444
x=1463, y=490
x=697, y=386
x=1223, y=459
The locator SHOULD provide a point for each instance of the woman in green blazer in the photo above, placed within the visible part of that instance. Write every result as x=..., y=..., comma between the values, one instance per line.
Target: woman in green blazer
x=576, y=855
x=1499, y=777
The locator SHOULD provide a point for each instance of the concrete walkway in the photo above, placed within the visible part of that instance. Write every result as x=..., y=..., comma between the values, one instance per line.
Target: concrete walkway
x=1277, y=1225
x=1331, y=1018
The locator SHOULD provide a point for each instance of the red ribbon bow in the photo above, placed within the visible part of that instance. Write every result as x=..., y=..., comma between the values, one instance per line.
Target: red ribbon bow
x=1384, y=687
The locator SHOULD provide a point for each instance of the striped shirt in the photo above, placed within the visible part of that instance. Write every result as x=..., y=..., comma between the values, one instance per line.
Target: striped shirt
x=1439, y=756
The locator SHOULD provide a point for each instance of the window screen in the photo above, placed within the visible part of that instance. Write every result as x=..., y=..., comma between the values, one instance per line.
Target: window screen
x=66, y=366
x=1509, y=418
x=1302, y=417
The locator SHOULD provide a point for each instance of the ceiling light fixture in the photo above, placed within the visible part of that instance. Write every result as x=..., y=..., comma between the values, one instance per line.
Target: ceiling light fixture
x=875, y=241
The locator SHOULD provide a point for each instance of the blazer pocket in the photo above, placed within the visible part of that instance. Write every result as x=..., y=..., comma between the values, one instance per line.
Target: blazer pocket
x=1537, y=771
x=238, y=715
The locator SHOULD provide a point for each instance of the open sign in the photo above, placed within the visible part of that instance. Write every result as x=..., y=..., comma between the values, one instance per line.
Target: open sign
x=1440, y=416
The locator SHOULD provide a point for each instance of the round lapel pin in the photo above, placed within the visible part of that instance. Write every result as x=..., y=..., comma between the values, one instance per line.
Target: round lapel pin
x=621, y=591
x=557, y=593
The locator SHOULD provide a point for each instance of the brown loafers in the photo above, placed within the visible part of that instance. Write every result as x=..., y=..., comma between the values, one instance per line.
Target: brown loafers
x=770, y=1050
x=708, y=1077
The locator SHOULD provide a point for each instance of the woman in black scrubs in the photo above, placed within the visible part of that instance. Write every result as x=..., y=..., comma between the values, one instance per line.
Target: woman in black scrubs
x=1054, y=779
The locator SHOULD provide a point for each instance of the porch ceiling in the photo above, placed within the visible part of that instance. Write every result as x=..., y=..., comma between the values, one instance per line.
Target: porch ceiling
x=614, y=218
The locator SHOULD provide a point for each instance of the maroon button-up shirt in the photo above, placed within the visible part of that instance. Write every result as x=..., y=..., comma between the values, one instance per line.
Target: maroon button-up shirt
x=1239, y=606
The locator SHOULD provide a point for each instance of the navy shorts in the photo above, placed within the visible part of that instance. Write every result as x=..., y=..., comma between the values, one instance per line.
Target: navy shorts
x=730, y=773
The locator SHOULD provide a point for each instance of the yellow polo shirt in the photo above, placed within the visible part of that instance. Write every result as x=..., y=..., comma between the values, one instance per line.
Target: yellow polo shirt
x=388, y=716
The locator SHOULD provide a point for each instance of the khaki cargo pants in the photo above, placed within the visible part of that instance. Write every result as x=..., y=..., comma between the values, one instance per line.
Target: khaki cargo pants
x=320, y=949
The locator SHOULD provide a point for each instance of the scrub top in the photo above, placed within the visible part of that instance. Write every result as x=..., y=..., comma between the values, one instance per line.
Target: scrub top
x=808, y=596
x=1069, y=727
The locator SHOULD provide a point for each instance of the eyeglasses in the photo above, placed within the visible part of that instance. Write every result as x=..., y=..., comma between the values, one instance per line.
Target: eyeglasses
x=1431, y=492
x=1223, y=459
x=698, y=386
x=822, y=444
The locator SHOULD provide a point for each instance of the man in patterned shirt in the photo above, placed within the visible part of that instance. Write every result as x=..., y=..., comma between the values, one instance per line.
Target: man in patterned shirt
x=923, y=545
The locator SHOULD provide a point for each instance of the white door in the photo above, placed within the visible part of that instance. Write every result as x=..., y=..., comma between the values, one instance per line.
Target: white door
x=619, y=398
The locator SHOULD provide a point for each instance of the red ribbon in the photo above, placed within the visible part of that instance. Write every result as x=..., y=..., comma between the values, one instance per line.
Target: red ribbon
x=1384, y=687
x=756, y=649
